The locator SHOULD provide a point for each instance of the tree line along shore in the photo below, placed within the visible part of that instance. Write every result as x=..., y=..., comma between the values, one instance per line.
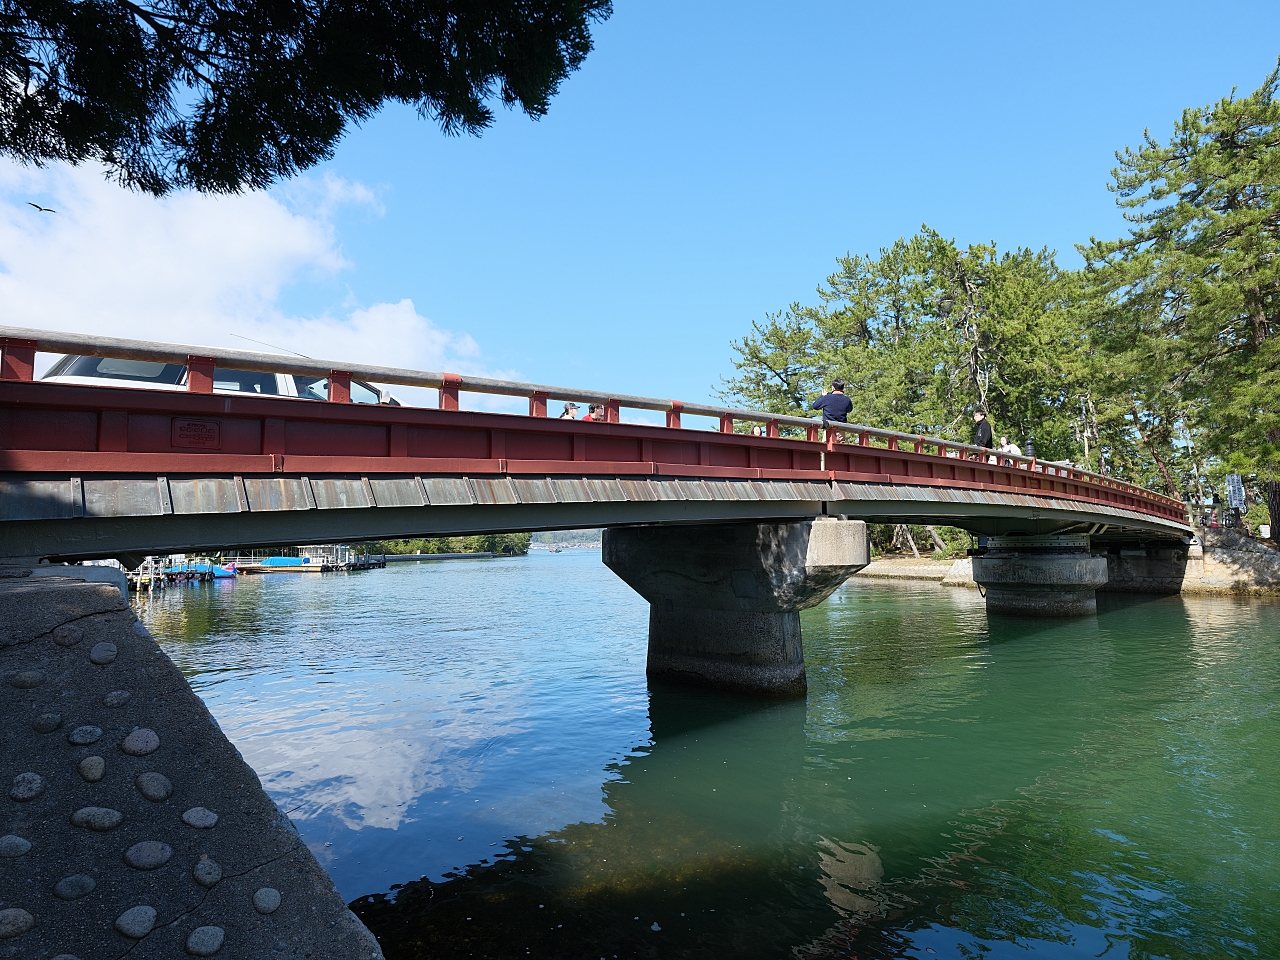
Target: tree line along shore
x=1157, y=361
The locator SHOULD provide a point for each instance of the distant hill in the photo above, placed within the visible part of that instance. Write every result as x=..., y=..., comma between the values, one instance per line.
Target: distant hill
x=567, y=538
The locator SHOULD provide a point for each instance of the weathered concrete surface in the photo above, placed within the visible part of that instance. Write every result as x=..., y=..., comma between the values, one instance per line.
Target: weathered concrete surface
x=93, y=574
x=1030, y=576
x=961, y=574
x=80, y=678
x=905, y=568
x=724, y=598
x=1223, y=563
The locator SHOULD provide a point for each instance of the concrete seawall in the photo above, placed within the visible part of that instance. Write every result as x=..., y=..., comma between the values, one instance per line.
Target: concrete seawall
x=131, y=825
x=1224, y=563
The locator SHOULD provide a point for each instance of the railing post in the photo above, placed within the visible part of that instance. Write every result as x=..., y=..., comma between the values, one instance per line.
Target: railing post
x=17, y=359
x=920, y=445
x=449, y=391
x=726, y=423
x=200, y=374
x=864, y=438
x=772, y=429
x=339, y=386
x=611, y=412
x=673, y=415
x=813, y=434
x=538, y=404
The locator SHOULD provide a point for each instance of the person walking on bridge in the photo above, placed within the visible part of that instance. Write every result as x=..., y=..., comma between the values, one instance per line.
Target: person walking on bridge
x=834, y=404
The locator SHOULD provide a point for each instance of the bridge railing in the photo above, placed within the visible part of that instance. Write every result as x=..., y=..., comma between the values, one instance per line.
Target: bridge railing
x=19, y=345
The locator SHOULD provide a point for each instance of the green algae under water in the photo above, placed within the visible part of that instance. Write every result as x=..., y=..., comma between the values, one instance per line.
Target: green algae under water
x=471, y=748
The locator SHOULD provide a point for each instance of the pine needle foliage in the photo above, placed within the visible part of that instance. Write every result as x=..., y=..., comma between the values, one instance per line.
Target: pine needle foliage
x=223, y=95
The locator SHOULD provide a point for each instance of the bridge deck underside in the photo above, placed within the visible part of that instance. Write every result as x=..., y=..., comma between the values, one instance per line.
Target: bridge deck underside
x=82, y=518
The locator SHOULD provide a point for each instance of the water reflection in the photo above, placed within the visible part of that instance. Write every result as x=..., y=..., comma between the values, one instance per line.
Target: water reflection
x=506, y=783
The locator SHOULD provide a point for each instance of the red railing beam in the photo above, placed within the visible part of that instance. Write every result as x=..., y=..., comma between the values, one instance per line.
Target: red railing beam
x=339, y=386
x=673, y=415
x=17, y=359
x=449, y=391
x=537, y=404
x=200, y=374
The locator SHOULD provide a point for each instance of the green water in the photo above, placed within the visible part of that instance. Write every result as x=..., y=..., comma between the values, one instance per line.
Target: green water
x=954, y=785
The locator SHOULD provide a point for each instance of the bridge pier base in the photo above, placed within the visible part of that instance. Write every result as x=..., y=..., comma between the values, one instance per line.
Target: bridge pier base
x=724, y=598
x=1054, y=576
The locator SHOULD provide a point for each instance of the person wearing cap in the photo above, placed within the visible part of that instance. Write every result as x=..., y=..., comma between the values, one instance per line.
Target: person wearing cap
x=570, y=412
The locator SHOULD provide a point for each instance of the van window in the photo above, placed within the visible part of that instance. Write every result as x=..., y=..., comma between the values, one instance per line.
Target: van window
x=108, y=368
x=245, y=381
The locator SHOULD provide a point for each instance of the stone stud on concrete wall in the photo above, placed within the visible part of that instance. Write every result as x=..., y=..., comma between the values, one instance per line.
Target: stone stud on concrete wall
x=92, y=769
x=136, y=922
x=204, y=941
x=141, y=742
x=116, y=698
x=83, y=736
x=102, y=653
x=148, y=855
x=266, y=900
x=154, y=786
x=67, y=635
x=74, y=887
x=27, y=679
x=14, y=922
x=46, y=722
x=200, y=818
x=99, y=819
x=14, y=846
x=26, y=786
x=207, y=872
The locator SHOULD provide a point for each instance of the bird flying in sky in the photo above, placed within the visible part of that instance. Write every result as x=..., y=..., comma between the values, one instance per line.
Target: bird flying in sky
x=40, y=208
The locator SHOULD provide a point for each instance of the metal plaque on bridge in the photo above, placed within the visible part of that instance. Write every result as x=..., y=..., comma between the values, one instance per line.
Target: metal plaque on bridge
x=197, y=434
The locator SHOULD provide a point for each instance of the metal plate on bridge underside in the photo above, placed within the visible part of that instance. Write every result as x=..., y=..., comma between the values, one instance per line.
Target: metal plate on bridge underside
x=448, y=492
x=277, y=493
x=122, y=498
x=498, y=490
x=334, y=493
x=692, y=490
x=570, y=491
x=212, y=495
x=41, y=500
x=404, y=492
x=605, y=491
x=534, y=489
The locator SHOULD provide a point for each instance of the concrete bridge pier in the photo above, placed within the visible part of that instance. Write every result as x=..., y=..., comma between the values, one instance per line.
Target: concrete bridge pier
x=1053, y=576
x=725, y=598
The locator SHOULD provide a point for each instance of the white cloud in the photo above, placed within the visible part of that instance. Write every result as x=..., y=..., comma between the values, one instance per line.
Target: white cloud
x=196, y=269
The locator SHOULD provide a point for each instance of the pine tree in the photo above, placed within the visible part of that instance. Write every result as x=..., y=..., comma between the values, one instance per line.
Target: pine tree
x=1192, y=296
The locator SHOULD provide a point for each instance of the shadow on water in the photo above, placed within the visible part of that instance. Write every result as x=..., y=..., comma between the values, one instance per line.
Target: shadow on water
x=696, y=857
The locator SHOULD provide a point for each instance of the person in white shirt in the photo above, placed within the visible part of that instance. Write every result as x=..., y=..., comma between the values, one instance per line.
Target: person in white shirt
x=1010, y=448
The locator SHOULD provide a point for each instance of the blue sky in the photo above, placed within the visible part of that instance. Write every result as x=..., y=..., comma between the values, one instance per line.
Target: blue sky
x=709, y=162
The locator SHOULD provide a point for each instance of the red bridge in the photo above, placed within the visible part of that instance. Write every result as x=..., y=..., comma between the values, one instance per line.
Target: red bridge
x=727, y=534
x=101, y=471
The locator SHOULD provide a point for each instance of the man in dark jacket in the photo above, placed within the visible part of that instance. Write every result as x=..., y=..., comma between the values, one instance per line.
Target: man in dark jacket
x=981, y=429
x=834, y=404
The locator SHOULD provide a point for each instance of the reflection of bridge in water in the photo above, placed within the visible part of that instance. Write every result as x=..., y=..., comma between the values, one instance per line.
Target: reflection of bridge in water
x=757, y=527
